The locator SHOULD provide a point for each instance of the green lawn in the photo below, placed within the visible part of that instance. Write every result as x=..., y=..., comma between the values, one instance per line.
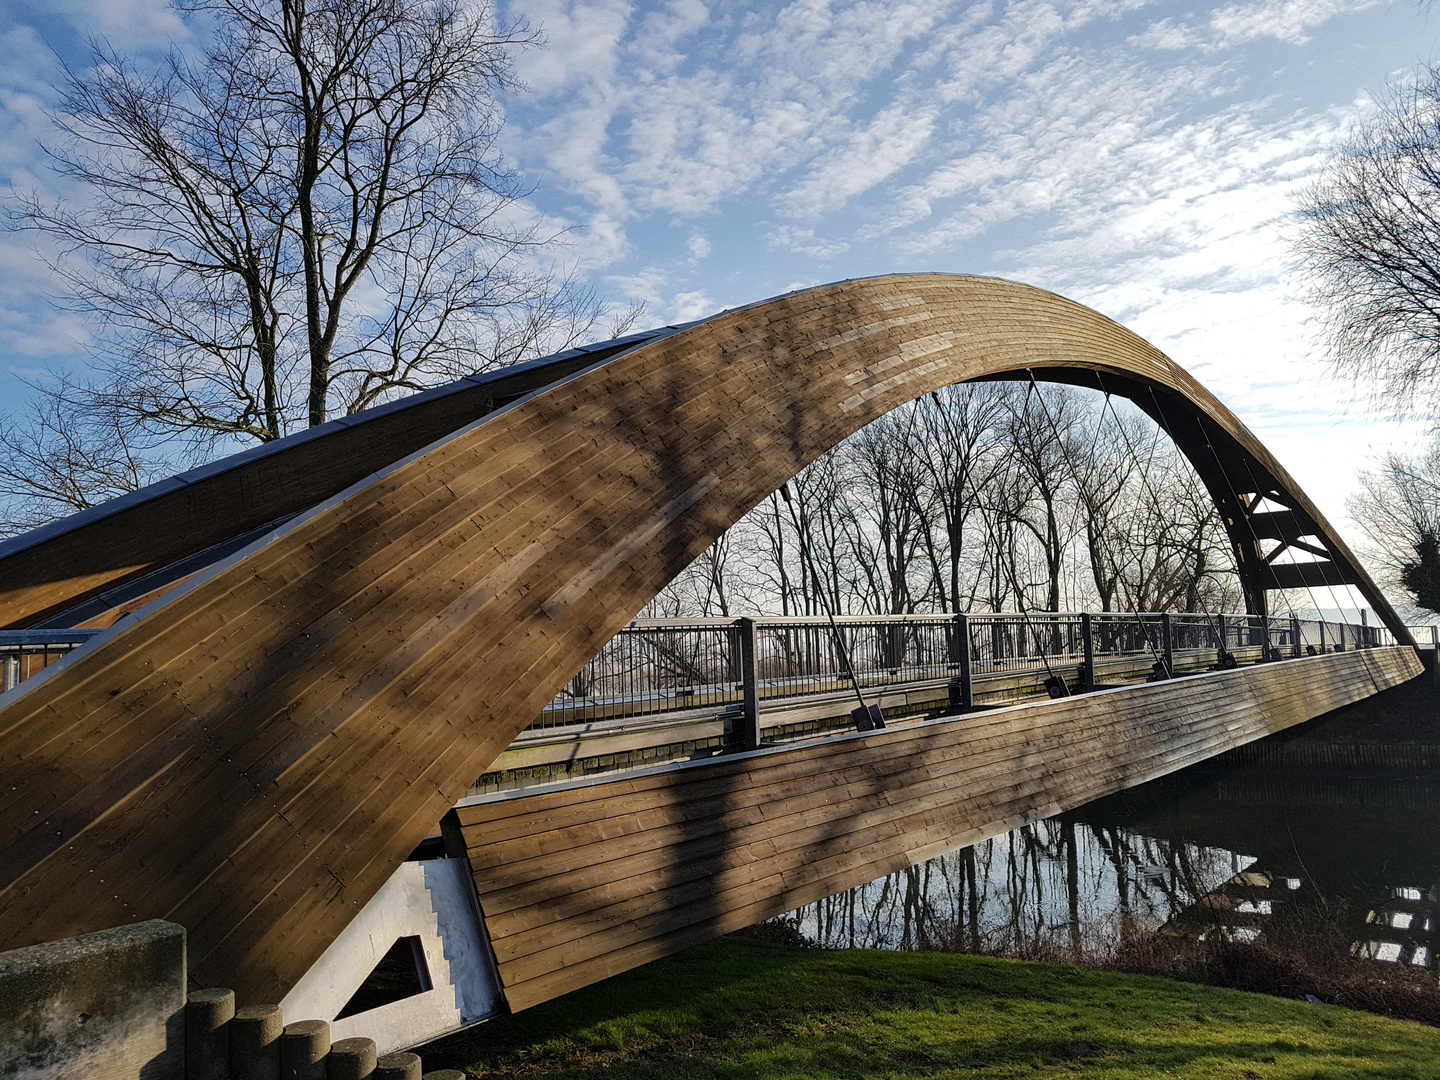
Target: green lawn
x=740, y=1010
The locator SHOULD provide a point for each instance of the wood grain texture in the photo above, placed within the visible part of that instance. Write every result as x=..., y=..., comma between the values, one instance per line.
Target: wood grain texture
x=586, y=880
x=255, y=752
x=53, y=569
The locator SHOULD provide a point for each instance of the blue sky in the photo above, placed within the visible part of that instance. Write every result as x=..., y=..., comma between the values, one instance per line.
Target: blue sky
x=1137, y=156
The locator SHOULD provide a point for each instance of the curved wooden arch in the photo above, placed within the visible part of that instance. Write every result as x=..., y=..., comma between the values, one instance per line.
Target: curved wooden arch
x=253, y=754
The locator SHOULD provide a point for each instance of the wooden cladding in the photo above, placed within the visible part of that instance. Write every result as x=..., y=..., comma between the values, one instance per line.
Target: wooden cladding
x=583, y=882
x=58, y=567
x=255, y=753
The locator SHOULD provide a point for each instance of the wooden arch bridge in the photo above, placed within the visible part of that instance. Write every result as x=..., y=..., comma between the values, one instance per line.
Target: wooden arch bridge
x=308, y=652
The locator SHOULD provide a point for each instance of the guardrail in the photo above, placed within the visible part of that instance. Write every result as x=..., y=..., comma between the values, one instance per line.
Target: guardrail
x=24, y=653
x=659, y=666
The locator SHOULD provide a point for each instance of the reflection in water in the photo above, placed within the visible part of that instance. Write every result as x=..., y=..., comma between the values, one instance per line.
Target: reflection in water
x=1324, y=830
x=1055, y=887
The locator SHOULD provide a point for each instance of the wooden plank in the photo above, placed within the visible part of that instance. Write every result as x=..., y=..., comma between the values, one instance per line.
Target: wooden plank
x=175, y=520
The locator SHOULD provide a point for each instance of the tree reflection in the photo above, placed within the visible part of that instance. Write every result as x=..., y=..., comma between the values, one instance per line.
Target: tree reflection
x=1057, y=889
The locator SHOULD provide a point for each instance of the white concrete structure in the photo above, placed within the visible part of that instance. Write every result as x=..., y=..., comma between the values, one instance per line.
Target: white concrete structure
x=433, y=901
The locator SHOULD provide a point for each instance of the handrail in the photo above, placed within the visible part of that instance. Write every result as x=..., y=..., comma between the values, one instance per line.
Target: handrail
x=658, y=666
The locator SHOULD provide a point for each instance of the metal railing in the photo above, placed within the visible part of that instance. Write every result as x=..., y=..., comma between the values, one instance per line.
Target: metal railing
x=659, y=666
x=24, y=653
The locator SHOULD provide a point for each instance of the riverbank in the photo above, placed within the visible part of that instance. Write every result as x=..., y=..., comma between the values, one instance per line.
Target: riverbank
x=742, y=1008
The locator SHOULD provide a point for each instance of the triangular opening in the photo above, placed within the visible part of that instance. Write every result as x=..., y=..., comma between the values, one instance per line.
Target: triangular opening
x=401, y=973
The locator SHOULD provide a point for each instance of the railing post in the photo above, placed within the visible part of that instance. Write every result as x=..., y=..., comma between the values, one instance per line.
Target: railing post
x=750, y=710
x=1322, y=633
x=1340, y=645
x=1087, y=678
x=967, y=686
x=1294, y=637
x=1169, y=644
x=1364, y=641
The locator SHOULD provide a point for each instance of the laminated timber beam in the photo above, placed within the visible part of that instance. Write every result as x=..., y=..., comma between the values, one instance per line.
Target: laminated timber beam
x=253, y=753
x=46, y=575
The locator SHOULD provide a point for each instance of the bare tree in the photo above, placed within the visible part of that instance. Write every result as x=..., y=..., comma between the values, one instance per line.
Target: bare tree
x=1038, y=428
x=1368, y=244
x=959, y=433
x=1398, y=509
x=1104, y=476
x=309, y=217
x=997, y=495
x=885, y=530
x=53, y=464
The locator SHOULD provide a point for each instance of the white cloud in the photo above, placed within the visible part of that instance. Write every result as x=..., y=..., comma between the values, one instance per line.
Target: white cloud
x=804, y=242
x=582, y=42
x=699, y=248
x=1285, y=20
x=687, y=306
x=644, y=286
x=1166, y=34
x=876, y=152
x=125, y=24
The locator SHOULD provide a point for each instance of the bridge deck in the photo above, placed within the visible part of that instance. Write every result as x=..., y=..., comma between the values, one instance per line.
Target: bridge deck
x=585, y=880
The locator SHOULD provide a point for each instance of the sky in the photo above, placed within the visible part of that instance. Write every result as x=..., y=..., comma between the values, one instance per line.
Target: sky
x=1138, y=156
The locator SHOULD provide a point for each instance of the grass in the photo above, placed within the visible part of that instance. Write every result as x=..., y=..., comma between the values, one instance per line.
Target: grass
x=739, y=1009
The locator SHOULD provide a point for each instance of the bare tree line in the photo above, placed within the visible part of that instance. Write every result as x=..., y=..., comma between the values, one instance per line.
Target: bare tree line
x=986, y=496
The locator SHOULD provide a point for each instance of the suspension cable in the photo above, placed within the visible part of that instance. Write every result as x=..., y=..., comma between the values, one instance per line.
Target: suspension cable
x=1075, y=475
x=1052, y=679
x=1224, y=653
x=1339, y=606
x=841, y=645
x=1320, y=566
x=1234, y=494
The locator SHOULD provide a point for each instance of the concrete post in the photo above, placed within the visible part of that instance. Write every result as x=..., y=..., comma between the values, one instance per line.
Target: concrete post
x=109, y=1004
x=352, y=1059
x=1294, y=636
x=303, y=1046
x=397, y=1067
x=207, y=1034
x=1087, y=683
x=255, y=1043
x=1165, y=632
